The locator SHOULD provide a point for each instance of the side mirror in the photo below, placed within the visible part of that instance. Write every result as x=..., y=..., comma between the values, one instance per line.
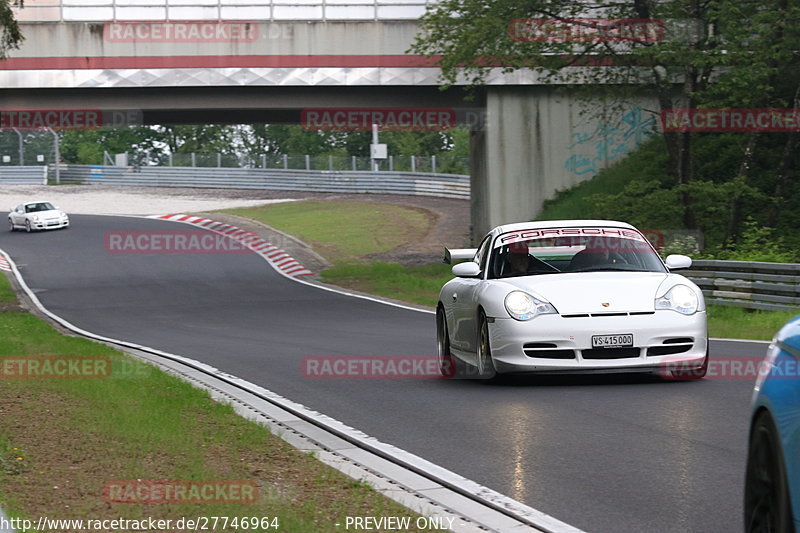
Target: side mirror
x=676, y=262
x=470, y=269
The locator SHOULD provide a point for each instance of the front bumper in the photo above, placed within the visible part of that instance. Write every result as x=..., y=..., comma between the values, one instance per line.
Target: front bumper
x=551, y=343
x=49, y=224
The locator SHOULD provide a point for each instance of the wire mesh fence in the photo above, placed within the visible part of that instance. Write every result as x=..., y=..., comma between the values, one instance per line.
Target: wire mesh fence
x=447, y=164
x=23, y=148
x=26, y=148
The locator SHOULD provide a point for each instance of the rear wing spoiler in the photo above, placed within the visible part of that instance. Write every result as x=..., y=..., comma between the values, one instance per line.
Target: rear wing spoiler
x=459, y=254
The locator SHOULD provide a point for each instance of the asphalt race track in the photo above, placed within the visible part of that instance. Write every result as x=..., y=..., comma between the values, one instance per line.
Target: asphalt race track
x=603, y=453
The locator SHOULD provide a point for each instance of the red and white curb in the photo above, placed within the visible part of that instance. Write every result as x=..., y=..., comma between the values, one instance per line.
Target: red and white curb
x=4, y=264
x=277, y=257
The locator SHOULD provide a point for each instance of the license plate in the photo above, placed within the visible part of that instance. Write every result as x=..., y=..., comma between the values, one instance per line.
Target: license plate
x=612, y=341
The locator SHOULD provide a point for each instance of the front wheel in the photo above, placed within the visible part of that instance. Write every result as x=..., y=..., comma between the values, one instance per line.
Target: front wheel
x=28, y=226
x=11, y=225
x=485, y=364
x=448, y=365
x=766, y=493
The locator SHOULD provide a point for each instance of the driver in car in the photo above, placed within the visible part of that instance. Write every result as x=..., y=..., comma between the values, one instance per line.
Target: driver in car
x=595, y=254
x=520, y=262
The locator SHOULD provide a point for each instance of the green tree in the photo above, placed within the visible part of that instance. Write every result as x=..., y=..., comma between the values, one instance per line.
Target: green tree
x=143, y=144
x=761, y=69
x=700, y=40
x=10, y=34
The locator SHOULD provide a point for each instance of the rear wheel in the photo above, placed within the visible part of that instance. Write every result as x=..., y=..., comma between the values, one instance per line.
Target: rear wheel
x=485, y=365
x=766, y=494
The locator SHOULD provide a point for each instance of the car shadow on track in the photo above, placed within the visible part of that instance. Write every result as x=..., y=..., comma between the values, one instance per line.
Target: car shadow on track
x=566, y=380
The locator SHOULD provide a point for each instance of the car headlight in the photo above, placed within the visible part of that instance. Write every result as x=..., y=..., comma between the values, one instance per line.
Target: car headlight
x=63, y=214
x=35, y=218
x=679, y=298
x=522, y=306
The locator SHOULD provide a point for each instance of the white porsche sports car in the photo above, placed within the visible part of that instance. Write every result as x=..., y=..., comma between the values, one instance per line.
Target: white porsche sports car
x=570, y=296
x=39, y=215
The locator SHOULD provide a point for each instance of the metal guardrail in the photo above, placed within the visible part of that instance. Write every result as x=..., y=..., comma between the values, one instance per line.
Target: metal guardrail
x=769, y=286
x=418, y=184
x=32, y=175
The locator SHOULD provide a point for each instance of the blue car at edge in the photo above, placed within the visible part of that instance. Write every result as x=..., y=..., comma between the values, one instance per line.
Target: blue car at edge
x=772, y=482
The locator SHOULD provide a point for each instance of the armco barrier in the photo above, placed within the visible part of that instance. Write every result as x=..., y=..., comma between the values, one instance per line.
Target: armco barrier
x=32, y=175
x=413, y=183
x=771, y=286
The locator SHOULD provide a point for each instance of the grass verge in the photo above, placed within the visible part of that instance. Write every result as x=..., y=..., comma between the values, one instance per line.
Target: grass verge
x=344, y=230
x=419, y=285
x=63, y=440
x=347, y=233
x=740, y=323
x=7, y=295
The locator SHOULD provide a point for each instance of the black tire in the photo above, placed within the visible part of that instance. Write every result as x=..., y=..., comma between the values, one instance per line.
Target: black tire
x=448, y=364
x=28, y=226
x=767, y=508
x=485, y=367
x=11, y=226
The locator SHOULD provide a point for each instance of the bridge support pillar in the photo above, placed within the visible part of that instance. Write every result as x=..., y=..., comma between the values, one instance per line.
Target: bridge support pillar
x=512, y=157
x=538, y=140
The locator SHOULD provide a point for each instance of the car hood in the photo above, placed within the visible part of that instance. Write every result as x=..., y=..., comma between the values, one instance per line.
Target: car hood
x=50, y=213
x=595, y=292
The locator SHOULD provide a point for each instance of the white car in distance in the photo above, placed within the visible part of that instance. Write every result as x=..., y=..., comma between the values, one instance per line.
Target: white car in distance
x=39, y=215
x=565, y=296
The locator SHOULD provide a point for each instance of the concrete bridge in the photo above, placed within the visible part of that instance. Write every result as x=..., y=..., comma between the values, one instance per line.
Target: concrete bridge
x=252, y=61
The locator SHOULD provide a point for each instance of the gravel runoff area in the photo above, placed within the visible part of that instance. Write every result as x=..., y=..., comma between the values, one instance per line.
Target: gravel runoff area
x=450, y=217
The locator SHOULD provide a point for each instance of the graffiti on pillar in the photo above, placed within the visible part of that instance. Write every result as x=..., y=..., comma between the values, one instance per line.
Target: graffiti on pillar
x=609, y=141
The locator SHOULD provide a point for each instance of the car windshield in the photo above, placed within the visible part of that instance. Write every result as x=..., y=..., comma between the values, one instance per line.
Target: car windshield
x=39, y=206
x=567, y=250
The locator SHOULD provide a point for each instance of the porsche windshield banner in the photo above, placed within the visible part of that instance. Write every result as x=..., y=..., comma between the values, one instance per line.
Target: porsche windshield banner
x=568, y=237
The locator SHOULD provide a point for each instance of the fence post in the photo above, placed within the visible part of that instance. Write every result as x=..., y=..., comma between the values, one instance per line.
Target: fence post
x=308, y=162
x=285, y=162
x=391, y=163
x=194, y=160
x=263, y=160
x=21, y=147
x=170, y=159
x=57, y=151
x=433, y=163
x=354, y=162
x=219, y=159
x=330, y=162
